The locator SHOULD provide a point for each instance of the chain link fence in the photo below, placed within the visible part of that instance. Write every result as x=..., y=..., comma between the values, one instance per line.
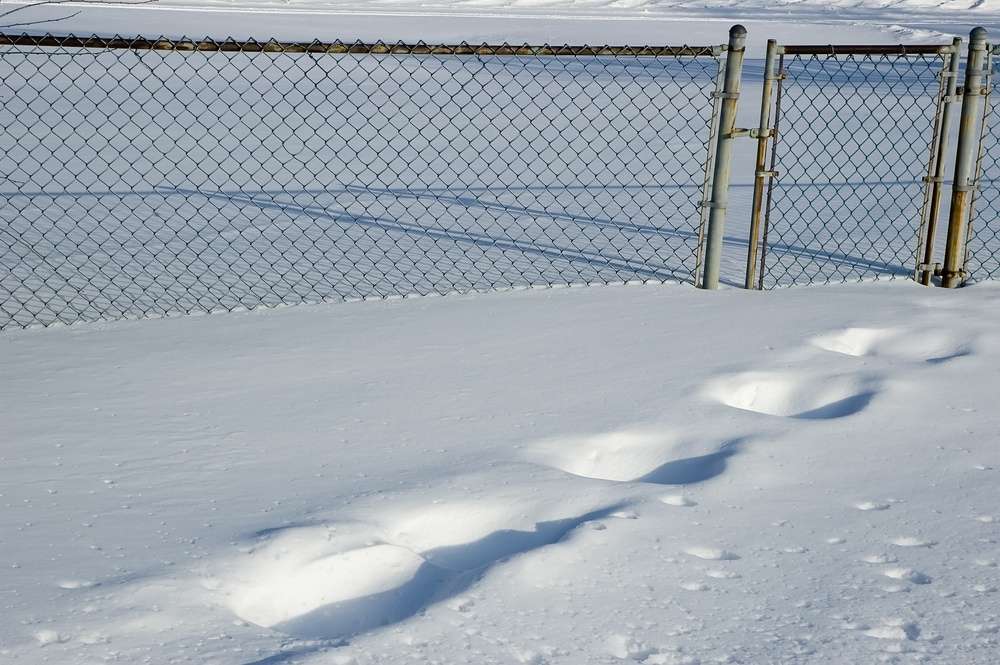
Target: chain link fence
x=857, y=132
x=143, y=178
x=983, y=245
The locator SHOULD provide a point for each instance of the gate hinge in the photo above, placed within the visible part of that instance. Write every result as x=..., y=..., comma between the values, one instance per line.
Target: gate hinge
x=983, y=91
x=766, y=174
x=932, y=178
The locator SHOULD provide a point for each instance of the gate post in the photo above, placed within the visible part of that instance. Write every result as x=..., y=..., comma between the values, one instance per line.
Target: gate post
x=723, y=156
x=925, y=267
x=764, y=133
x=953, y=273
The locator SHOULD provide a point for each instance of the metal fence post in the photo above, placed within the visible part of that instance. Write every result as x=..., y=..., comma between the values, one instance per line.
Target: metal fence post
x=925, y=264
x=764, y=132
x=724, y=156
x=972, y=94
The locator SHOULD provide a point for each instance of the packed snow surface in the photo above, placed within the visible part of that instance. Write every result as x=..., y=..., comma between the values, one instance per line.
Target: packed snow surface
x=568, y=476
x=536, y=21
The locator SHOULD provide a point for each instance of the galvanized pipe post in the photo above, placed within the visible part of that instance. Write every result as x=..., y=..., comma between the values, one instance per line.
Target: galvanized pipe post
x=760, y=172
x=724, y=156
x=926, y=268
x=953, y=273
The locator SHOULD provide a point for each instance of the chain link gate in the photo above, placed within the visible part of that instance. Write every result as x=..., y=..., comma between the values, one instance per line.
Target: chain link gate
x=150, y=177
x=982, y=248
x=853, y=184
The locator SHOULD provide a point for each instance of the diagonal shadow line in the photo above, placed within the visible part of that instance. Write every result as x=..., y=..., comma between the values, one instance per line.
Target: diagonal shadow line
x=857, y=262
x=840, y=258
x=472, y=202
x=484, y=189
x=481, y=240
x=837, y=259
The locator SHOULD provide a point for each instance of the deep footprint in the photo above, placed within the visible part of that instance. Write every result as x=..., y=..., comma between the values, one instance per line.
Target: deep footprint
x=917, y=345
x=633, y=456
x=303, y=585
x=794, y=394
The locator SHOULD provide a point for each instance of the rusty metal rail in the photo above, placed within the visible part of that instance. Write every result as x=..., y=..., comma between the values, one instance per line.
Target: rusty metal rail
x=355, y=48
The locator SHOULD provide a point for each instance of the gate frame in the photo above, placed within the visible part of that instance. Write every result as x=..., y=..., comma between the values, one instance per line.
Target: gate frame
x=933, y=181
x=966, y=177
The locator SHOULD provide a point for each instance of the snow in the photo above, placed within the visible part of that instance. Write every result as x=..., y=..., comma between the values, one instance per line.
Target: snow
x=568, y=476
x=645, y=474
x=535, y=21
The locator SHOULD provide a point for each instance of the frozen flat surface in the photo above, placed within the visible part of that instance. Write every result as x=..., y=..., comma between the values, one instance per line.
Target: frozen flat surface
x=652, y=474
x=557, y=21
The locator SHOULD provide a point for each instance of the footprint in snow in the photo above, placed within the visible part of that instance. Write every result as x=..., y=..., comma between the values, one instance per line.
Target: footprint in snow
x=722, y=574
x=895, y=629
x=335, y=581
x=640, y=454
x=47, y=637
x=871, y=505
x=911, y=541
x=925, y=345
x=711, y=554
x=879, y=558
x=794, y=394
x=907, y=575
x=694, y=586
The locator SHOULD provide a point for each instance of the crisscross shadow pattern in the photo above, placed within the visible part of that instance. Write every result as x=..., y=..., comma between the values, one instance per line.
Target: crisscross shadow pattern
x=142, y=178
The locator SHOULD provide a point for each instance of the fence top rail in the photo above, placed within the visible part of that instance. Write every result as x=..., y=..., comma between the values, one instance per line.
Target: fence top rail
x=867, y=49
x=340, y=47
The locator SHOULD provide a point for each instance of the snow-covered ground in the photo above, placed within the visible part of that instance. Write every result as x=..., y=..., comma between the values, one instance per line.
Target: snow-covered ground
x=569, y=476
x=653, y=474
x=535, y=21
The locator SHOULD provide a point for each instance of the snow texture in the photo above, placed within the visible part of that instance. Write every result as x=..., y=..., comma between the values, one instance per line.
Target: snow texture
x=640, y=474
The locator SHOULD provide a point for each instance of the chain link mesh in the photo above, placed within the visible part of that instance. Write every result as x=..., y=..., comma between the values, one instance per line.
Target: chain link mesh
x=856, y=136
x=983, y=245
x=145, y=178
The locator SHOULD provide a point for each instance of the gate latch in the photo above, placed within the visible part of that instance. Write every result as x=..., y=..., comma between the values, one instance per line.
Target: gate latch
x=932, y=268
x=754, y=133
